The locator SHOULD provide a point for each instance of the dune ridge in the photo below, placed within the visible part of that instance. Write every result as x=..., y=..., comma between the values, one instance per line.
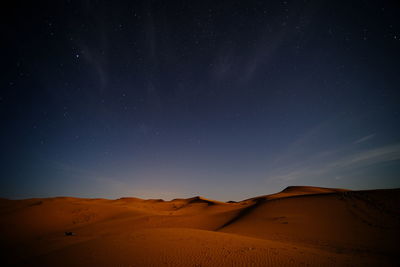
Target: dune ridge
x=299, y=226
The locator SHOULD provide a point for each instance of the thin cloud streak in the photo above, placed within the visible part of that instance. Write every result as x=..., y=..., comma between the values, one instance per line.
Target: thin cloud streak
x=364, y=139
x=346, y=163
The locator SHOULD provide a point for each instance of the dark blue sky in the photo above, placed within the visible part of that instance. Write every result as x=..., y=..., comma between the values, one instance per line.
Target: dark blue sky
x=225, y=99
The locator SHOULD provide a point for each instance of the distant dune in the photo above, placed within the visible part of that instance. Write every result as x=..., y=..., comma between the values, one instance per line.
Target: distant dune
x=299, y=226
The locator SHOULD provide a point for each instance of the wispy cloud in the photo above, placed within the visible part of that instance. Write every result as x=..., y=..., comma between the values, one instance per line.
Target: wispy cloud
x=98, y=63
x=94, y=48
x=364, y=139
x=372, y=156
x=339, y=163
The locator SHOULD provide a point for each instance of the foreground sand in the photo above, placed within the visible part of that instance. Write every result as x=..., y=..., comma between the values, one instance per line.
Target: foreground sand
x=300, y=226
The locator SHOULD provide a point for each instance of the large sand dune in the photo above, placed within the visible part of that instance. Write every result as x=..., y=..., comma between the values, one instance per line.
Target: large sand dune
x=300, y=226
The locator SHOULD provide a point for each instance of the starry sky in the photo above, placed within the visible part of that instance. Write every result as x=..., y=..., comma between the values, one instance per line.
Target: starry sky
x=224, y=99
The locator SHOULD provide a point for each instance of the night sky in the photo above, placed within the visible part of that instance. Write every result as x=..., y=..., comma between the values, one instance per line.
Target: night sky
x=224, y=99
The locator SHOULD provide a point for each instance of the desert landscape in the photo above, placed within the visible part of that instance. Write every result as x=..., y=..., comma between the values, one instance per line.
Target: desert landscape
x=299, y=226
x=200, y=133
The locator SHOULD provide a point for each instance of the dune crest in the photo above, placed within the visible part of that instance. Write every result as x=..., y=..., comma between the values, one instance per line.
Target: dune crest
x=298, y=226
x=312, y=189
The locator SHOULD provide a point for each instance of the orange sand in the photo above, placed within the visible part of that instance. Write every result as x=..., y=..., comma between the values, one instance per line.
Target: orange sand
x=300, y=226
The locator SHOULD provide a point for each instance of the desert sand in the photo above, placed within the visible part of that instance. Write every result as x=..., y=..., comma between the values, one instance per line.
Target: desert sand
x=300, y=226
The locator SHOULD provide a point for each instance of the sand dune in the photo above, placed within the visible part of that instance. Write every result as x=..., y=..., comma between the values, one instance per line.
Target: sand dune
x=300, y=226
